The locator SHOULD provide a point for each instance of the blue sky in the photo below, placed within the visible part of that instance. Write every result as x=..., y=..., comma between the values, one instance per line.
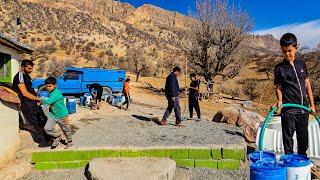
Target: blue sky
x=271, y=16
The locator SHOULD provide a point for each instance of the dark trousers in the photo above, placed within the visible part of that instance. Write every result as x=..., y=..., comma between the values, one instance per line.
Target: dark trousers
x=127, y=100
x=295, y=122
x=177, y=110
x=194, y=103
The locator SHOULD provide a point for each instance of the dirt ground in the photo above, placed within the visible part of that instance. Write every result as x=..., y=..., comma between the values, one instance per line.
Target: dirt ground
x=135, y=123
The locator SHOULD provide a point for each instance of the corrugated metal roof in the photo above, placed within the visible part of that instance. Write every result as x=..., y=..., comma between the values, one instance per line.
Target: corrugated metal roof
x=16, y=44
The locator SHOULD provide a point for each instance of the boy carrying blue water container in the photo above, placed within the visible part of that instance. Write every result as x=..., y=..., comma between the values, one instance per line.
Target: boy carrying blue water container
x=58, y=113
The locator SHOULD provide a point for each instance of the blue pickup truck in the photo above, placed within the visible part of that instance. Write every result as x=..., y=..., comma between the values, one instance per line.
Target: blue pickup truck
x=75, y=80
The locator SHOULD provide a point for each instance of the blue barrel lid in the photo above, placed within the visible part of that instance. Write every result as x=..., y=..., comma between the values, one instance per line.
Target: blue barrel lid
x=294, y=160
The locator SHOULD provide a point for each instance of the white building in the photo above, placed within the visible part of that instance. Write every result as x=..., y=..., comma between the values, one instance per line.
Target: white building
x=9, y=117
x=9, y=57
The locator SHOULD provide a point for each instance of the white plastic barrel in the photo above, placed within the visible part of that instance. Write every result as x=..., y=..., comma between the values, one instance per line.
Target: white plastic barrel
x=88, y=97
x=273, y=137
x=298, y=166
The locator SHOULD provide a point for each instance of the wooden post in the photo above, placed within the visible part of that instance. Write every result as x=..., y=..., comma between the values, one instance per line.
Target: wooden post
x=186, y=92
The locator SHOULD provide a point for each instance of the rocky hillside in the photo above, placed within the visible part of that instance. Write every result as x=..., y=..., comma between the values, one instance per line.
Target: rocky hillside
x=83, y=32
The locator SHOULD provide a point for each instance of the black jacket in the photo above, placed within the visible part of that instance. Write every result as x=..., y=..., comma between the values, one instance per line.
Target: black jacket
x=172, y=86
x=292, y=81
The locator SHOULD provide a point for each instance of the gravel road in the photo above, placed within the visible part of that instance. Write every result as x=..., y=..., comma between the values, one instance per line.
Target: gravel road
x=181, y=174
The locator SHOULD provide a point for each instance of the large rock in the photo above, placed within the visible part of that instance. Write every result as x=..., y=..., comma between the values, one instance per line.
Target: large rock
x=132, y=168
x=245, y=119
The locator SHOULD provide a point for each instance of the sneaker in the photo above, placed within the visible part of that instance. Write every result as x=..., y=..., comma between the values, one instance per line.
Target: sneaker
x=56, y=142
x=190, y=118
x=180, y=124
x=198, y=119
x=69, y=145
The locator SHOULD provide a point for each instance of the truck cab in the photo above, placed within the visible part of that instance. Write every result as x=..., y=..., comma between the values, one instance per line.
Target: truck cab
x=75, y=80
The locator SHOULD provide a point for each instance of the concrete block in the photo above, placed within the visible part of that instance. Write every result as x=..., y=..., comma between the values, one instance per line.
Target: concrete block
x=178, y=153
x=233, y=153
x=42, y=157
x=46, y=165
x=216, y=154
x=185, y=162
x=155, y=153
x=132, y=168
x=229, y=164
x=64, y=156
x=86, y=155
x=206, y=164
x=199, y=153
x=68, y=164
x=131, y=153
x=84, y=163
x=108, y=153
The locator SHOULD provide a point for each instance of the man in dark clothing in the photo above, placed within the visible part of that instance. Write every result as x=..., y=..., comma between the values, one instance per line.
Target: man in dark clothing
x=32, y=117
x=99, y=90
x=194, y=96
x=172, y=95
x=293, y=86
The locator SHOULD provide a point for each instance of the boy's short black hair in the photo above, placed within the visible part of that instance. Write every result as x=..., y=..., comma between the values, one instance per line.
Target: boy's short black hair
x=193, y=75
x=26, y=63
x=175, y=69
x=128, y=80
x=288, y=39
x=51, y=80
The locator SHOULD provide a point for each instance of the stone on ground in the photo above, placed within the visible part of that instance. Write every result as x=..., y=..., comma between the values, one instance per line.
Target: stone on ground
x=245, y=119
x=132, y=168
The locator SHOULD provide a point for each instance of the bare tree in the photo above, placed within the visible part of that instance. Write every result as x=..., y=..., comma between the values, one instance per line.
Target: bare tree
x=137, y=61
x=267, y=65
x=216, y=34
x=250, y=89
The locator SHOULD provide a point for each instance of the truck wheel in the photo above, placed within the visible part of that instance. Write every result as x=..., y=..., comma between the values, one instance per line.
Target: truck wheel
x=107, y=90
x=41, y=88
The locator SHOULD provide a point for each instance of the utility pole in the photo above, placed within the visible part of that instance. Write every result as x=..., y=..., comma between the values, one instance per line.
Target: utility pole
x=17, y=21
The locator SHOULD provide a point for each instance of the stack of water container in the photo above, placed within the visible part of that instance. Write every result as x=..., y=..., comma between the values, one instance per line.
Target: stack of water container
x=264, y=166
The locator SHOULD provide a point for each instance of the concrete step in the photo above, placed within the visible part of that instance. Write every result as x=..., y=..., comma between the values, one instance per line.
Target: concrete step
x=132, y=168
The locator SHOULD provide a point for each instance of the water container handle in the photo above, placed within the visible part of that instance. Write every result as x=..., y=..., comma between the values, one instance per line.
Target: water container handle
x=261, y=138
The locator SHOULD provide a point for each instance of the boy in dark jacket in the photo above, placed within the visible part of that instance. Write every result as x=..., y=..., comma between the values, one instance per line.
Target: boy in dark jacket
x=194, y=96
x=293, y=86
x=172, y=95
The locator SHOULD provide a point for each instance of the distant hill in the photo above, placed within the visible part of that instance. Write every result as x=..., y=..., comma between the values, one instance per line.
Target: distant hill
x=82, y=31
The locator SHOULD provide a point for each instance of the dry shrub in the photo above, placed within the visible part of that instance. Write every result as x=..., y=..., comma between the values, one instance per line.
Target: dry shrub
x=251, y=90
x=56, y=68
x=231, y=89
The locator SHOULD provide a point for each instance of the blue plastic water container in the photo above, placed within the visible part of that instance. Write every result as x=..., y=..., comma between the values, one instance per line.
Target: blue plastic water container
x=44, y=94
x=71, y=105
x=259, y=155
x=81, y=103
x=297, y=166
x=263, y=170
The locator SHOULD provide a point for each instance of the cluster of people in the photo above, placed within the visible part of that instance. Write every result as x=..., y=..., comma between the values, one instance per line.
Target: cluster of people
x=291, y=81
x=35, y=119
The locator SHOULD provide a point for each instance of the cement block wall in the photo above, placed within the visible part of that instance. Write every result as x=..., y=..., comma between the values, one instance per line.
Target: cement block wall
x=220, y=158
x=9, y=131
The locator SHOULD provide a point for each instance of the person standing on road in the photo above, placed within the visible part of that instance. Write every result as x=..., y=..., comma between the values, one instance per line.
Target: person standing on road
x=97, y=95
x=125, y=93
x=194, y=96
x=172, y=95
x=32, y=114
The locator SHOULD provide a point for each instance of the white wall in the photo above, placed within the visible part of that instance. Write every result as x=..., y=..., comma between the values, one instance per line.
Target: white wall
x=9, y=117
x=9, y=131
x=15, y=68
